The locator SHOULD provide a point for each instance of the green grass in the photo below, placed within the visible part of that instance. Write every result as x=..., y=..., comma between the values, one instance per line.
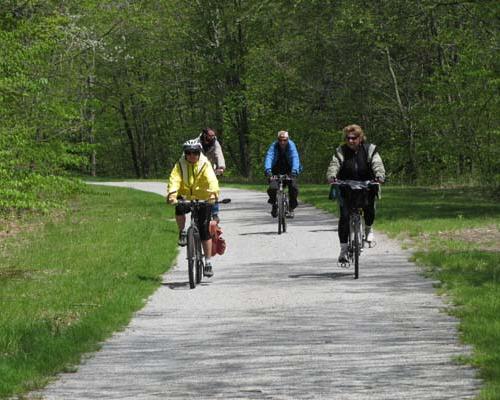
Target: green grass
x=454, y=234
x=69, y=283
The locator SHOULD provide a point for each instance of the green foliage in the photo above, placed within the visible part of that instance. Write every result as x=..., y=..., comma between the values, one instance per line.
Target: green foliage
x=38, y=116
x=33, y=192
x=122, y=85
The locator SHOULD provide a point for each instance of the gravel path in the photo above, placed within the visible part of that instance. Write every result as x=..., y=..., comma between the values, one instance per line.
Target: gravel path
x=280, y=320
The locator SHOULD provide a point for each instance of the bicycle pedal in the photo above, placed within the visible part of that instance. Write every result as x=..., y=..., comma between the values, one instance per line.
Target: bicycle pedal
x=371, y=244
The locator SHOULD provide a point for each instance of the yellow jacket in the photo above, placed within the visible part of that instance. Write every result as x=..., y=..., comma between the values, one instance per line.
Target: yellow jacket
x=193, y=181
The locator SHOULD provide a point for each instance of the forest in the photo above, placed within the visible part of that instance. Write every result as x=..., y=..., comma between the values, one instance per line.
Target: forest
x=112, y=88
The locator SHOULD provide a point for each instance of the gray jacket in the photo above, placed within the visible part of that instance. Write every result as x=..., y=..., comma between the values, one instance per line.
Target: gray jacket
x=214, y=155
x=374, y=160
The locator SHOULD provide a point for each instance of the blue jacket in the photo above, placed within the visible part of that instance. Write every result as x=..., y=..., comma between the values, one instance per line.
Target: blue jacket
x=292, y=156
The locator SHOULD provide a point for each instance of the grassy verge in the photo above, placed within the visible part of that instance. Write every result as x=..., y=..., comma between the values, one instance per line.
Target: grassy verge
x=71, y=281
x=455, y=236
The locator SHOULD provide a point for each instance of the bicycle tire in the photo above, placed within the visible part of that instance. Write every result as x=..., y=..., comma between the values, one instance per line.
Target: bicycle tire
x=191, y=257
x=357, y=250
x=199, y=261
x=285, y=210
x=281, y=212
x=199, y=271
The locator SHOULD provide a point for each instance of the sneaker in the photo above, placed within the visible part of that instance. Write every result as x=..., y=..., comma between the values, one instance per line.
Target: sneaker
x=369, y=237
x=207, y=271
x=343, y=253
x=274, y=211
x=182, y=238
x=290, y=214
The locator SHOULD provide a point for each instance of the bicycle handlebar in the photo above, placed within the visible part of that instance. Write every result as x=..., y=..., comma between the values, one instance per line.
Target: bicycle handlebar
x=356, y=184
x=284, y=177
x=195, y=201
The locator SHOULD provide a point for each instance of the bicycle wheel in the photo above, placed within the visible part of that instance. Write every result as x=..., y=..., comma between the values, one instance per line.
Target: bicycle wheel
x=199, y=261
x=191, y=257
x=281, y=211
x=285, y=210
x=356, y=248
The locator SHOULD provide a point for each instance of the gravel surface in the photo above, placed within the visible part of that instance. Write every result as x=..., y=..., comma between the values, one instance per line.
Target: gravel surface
x=280, y=320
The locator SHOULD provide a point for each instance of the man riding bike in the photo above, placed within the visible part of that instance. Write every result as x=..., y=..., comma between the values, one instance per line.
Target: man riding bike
x=282, y=158
x=193, y=178
x=213, y=151
x=358, y=161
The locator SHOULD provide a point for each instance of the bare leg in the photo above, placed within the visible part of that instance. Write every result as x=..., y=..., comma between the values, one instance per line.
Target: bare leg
x=207, y=248
x=181, y=221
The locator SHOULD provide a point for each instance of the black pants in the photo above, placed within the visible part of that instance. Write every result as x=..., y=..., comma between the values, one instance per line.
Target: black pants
x=368, y=212
x=293, y=191
x=204, y=217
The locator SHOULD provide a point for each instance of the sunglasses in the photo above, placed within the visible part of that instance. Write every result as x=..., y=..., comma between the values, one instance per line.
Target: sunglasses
x=351, y=137
x=189, y=152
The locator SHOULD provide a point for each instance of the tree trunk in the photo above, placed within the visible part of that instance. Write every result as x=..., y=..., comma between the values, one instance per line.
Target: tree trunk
x=243, y=141
x=411, y=169
x=130, y=135
x=241, y=112
x=91, y=124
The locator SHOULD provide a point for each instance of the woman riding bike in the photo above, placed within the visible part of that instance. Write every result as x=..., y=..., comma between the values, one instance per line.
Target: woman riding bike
x=193, y=178
x=358, y=161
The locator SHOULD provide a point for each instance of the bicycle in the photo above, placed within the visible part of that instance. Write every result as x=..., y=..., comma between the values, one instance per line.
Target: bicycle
x=355, y=195
x=194, y=252
x=282, y=202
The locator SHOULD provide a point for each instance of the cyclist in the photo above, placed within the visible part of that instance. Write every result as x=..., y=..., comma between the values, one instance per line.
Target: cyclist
x=282, y=158
x=193, y=178
x=213, y=151
x=358, y=161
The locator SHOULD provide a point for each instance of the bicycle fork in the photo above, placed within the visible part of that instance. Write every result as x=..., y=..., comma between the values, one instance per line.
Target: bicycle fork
x=355, y=229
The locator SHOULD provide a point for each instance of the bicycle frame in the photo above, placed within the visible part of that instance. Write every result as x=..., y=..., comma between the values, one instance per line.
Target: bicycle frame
x=194, y=257
x=356, y=219
x=355, y=241
x=194, y=252
x=282, y=202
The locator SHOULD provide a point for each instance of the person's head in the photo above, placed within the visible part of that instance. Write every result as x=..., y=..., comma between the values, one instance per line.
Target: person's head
x=192, y=150
x=282, y=138
x=354, y=136
x=208, y=135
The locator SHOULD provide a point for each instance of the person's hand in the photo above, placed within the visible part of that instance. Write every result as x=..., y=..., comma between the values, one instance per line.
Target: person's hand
x=332, y=180
x=379, y=179
x=172, y=199
x=219, y=171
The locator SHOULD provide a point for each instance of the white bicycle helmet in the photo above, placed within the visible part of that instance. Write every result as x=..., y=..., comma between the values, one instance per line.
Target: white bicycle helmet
x=192, y=145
